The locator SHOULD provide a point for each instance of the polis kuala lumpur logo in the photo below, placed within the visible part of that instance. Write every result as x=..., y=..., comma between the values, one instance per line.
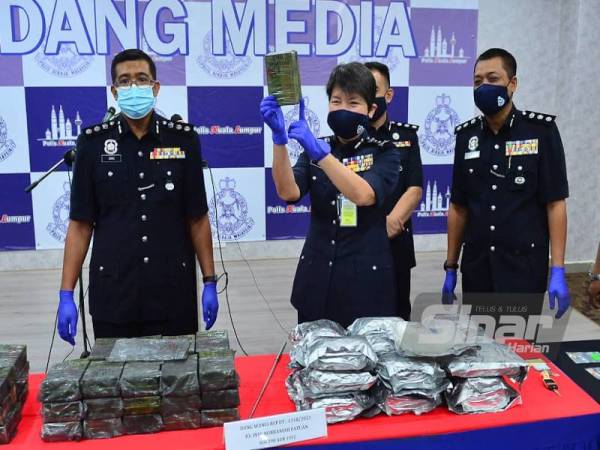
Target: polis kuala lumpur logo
x=437, y=137
x=60, y=215
x=314, y=125
x=222, y=67
x=7, y=146
x=232, y=219
x=67, y=63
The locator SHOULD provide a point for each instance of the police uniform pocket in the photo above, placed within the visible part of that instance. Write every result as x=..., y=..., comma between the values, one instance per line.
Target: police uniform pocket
x=168, y=177
x=520, y=180
x=302, y=282
x=103, y=285
x=111, y=185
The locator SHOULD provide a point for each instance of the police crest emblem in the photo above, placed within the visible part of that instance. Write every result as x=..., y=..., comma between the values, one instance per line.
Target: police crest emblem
x=438, y=132
x=60, y=215
x=227, y=66
x=232, y=219
x=67, y=63
x=7, y=146
x=314, y=124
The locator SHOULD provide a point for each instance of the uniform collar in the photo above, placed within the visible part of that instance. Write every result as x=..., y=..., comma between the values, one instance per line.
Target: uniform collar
x=508, y=123
x=124, y=129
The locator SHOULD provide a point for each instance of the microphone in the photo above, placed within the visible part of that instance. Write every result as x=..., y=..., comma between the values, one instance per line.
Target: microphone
x=176, y=118
x=110, y=113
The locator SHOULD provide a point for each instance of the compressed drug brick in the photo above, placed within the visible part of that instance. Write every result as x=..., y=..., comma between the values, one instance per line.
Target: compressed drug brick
x=102, y=349
x=63, y=431
x=216, y=370
x=183, y=421
x=101, y=380
x=141, y=405
x=148, y=423
x=62, y=412
x=102, y=428
x=229, y=398
x=180, y=378
x=62, y=383
x=140, y=379
x=212, y=340
x=217, y=417
x=171, y=406
x=103, y=408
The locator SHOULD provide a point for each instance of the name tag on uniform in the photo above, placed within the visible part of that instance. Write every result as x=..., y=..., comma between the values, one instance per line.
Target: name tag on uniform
x=359, y=163
x=167, y=153
x=402, y=144
x=472, y=154
x=347, y=212
x=527, y=147
x=110, y=158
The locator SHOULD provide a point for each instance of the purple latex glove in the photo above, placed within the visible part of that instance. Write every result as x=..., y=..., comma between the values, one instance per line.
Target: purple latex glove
x=210, y=304
x=67, y=317
x=317, y=149
x=273, y=117
x=558, y=289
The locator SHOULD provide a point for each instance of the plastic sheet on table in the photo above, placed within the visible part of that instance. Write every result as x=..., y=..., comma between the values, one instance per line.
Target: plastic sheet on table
x=62, y=382
x=347, y=353
x=101, y=380
x=140, y=379
x=147, y=349
x=148, y=423
x=228, y=398
x=62, y=412
x=212, y=340
x=63, y=431
x=180, y=378
x=102, y=349
x=216, y=370
x=188, y=420
x=313, y=383
x=173, y=406
x=141, y=405
x=481, y=395
x=103, y=408
x=218, y=417
x=102, y=428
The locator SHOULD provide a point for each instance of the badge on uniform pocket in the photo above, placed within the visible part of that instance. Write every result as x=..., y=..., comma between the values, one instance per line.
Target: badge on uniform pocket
x=519, y=180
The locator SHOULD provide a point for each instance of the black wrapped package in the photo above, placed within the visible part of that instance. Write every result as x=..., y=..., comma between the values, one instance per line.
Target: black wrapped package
x=229, y=398
x=62, y=412
x=102, y=349
x=217, y=417
x=172, y=406
x=212, y=340
x=63, y=431
x=140, y=379
x=9, y=429
x=101, y=380
x=145, y=349
x=180, y=378
x=8, y=403
x=141, y=405
x=102, y=428
x=8, y=380
x=148, y=423
x=216, y=370
x=62, y=382
x=103, y=408
x=15, y=356
x=183, y=421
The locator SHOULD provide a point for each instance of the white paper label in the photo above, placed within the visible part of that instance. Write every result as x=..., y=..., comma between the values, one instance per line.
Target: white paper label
x=274, y=431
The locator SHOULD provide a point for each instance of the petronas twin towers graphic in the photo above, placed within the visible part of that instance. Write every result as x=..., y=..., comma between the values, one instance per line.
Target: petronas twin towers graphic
x=61, y=132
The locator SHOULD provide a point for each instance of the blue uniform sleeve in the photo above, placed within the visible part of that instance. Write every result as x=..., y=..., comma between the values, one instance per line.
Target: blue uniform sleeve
x=83, y=204
x=458, y=194
x=302, y=175
x=414, y=175
x=552, y=170
x=383, y=175
x=195, y=194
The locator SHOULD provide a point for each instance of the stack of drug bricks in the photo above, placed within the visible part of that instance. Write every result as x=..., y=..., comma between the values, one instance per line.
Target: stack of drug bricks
x=142, y=385
x=14, y=375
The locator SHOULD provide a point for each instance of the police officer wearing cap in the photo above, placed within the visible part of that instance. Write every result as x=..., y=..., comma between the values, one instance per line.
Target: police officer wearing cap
x=346, y=267
x=509, y=185
x=138, y=189
x=409, y=189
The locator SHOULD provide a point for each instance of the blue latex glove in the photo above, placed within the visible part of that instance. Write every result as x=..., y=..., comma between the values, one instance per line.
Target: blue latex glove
x=317, y=149
x=448, y=296
x=210, y=304
x=273, y=117
x=558, y=289
x=67, y=317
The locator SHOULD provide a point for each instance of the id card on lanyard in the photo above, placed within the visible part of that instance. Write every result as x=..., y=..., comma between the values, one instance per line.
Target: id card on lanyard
x=347, y=212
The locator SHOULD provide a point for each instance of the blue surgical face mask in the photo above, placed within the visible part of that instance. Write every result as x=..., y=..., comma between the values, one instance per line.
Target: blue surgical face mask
x=491, y=98
x=136, y=102
x=347, y=124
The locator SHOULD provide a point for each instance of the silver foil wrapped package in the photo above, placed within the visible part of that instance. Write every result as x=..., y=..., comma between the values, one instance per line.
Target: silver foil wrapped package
x=379, y=331
x=323, y=327
x=481, y=395
x=346, y=353
x=394, y=405
x=490, y=359
x=402, y=374
x=340, y=408
x=312, y=383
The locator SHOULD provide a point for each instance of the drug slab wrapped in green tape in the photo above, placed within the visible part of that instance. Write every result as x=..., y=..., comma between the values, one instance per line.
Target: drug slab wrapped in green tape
x=228, y=398
x=9, y=429
x=8, y=380
x=103, y=408
x=189, y=338
x=8, y=403
x=183, y=421
x=180, y=378
x=101, y=380
x=102, y=428
x=63, y=431
x=102, y=349
x=141, y=405
x=217, y=417
x=146, y=349
x=62, y=412
x=283, y=77
x=140, y=379
x=62, y=383
x=15, y=353
x=171, y=406
x=216, y=370
x=212, y=340
x=148, y=423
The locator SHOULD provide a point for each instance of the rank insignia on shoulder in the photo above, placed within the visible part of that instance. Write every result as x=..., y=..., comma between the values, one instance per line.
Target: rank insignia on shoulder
x=408, y=126
x=359, y=163
x=468, y=124
x=538, y=117
x=167, y=153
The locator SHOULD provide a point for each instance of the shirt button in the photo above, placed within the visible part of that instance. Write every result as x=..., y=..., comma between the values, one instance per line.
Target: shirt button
x=143, y=196
x=492, y=248
x=183, y=264
x=314, y=178
x=302, y=257
x=146, y=260
x=168, y=173
x=494, y=187
x=495, y=167
x=470, y=170
x=110, y=174
x=144, y=238
x=332, y=202
x=330, y=263
x=496, y=146
x=141, y=175
x=520, y=168
x=101, y=268
x=492, y=227
x=493, y=207
x=332, y=242
x=334, y=222
x=532, y=245
x=144, y=217
x=374, y=267
x=140, y=154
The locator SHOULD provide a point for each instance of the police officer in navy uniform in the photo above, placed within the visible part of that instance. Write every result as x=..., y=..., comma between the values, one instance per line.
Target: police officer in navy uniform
x=138, y=187
x=409, y=189
x=509, y=187
x=346, y=267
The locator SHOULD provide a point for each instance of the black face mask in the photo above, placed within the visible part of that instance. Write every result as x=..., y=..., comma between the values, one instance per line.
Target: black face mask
x=491, y=98
x=381, y=109
x=347, y=124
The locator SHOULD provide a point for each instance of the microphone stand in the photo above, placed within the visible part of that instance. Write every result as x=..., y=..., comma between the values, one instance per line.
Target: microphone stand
x=68, y=159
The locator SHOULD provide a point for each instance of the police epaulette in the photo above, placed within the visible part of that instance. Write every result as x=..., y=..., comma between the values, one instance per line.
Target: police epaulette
x=538, y=117
x=99, y=128
x=177, y=126
x=405, y=125
x=469, y=123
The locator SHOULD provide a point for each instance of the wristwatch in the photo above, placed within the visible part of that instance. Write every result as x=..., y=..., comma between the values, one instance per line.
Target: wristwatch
x=450, y=266
x=593, y=276
x=209, y=279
